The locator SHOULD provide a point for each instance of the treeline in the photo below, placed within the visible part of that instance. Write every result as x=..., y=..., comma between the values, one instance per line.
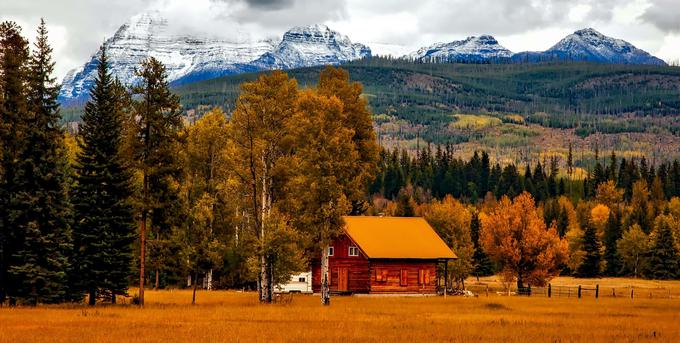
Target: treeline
x=142, y=194
x=623, y=218
x=436, y=173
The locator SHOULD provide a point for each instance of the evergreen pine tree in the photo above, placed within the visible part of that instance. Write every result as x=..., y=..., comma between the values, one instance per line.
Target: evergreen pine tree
x=104, y=228
x=41, y=259
x=612, y=233
x=405, y=204
x=482, y=262
x=663, y=260
x=14, y=57
x=590, y=267
x=562, y=221
x=153, y=155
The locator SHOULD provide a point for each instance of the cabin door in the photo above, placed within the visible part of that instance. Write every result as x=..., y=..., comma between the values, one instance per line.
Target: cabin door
x=343, y=278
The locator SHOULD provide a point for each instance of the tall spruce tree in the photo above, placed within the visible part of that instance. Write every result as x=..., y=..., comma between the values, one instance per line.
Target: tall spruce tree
x=14, y=57
x=590, y=267
x=612, y=233
x=483, y=264
x=562, y=221
x=664, y=257
x=155, y=132
x=41, y=199
x=104, y=226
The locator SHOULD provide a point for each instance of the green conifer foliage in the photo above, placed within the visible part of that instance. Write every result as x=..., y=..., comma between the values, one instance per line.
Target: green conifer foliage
x=14, y=56
x=104, y=226
x=155, y=134
x=590, y=267
x=41, y=200
x=663, y=260
x=613, y=232
x=483, y=264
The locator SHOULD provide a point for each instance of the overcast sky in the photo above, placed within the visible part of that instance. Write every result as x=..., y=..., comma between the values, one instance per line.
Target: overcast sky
x=78, y=27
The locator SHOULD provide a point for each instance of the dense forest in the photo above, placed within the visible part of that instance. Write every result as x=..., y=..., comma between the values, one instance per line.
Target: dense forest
x=241, y=195
x=614, y=219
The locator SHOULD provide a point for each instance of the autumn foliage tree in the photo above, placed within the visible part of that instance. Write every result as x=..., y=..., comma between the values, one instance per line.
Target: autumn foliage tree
x=515, y=236
x=333, y=160
x=260, y=131
x=451, y=220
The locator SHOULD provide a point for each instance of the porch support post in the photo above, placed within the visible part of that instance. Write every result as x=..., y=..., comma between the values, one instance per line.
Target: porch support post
x=446, y=276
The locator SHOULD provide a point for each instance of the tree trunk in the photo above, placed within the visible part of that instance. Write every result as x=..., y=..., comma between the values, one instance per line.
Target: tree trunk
x=325, y=287
x=260, y=294
x=142, y=241
x=193, y=296
x=520, y=283
x=270, y=281
x=93, y=297
x=113, y=297
x=155, y=287
x=264, y=293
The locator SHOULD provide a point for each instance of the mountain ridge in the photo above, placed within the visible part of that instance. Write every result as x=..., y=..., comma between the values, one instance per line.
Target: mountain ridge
x=586, y=45
x=191, y=58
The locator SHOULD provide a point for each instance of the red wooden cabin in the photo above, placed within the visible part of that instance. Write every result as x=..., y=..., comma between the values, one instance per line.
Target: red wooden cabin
x=384, y=255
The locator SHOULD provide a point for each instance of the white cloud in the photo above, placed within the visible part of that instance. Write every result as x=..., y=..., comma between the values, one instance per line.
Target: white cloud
x=78, y=27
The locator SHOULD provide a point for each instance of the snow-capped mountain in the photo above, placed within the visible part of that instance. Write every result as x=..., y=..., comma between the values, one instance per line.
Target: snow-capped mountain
x=312, y=45
x=471, y=49
x=590, y=45
x=582, y=45
x=191, y=58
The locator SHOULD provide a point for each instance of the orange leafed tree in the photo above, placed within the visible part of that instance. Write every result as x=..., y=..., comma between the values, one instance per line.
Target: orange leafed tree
x=516, y=238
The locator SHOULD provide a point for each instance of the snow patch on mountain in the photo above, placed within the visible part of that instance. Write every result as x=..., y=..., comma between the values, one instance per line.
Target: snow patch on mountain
x=471, y=49
x=189, y=58
x=590, y=45
x=312, y=45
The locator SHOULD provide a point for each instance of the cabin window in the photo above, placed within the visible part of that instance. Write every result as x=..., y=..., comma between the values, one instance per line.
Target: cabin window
x=353, y=251
x=424, y=277
x=381, y=275
x=331, y=251
x=302, y=279
x=403, y=281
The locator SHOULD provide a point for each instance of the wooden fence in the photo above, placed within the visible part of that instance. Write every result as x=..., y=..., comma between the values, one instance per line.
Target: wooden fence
x=578, y=291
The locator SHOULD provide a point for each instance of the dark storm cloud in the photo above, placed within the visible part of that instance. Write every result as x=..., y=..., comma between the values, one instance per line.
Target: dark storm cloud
x=270, y=4
x=664, y=14
x=288, y=13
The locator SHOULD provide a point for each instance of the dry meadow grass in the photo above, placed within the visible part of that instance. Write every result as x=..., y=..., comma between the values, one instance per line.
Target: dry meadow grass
x=231, y=317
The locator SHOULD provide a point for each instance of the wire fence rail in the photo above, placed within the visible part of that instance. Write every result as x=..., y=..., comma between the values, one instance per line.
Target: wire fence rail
x=578, y=291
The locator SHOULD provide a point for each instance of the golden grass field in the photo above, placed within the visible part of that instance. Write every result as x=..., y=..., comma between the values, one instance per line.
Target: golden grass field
x=237, y=317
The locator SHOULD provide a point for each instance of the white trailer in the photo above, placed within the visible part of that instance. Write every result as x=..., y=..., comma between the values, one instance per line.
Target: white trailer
x=298, y=283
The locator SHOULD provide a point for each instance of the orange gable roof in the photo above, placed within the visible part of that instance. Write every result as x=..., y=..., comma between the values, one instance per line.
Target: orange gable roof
x=396, y=237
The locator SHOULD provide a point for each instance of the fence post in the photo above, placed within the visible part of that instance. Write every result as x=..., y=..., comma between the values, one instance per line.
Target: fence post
x=579, y=291
x=614, y=292
x=631, y=292
x=487, y=291
x=597, y=291
x=549, y=290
